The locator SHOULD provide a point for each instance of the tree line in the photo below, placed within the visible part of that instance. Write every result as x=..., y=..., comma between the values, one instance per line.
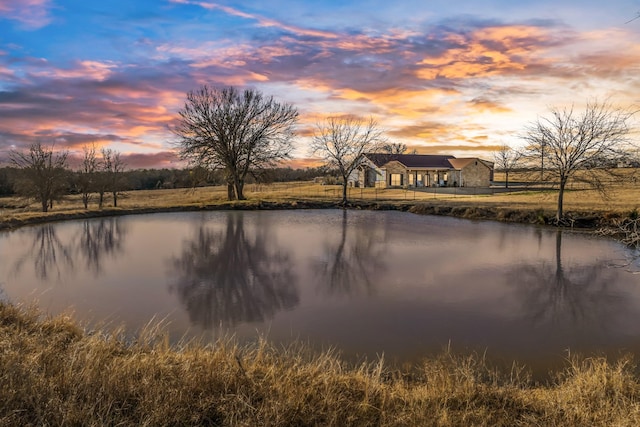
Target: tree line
x=43, y=173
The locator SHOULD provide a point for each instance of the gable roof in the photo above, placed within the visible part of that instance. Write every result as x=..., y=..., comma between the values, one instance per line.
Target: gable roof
x=461, y=163
x=411, y=160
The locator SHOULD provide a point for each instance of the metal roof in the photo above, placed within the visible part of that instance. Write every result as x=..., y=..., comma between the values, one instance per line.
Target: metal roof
x=412, y=160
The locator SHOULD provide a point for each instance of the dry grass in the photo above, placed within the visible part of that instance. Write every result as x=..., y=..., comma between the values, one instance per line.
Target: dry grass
x=621, y=199
x=53, y=373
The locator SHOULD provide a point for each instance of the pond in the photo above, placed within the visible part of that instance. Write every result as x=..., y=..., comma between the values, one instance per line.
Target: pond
x=365, y=283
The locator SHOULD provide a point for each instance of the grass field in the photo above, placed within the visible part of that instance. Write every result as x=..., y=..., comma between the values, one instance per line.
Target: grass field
x=55, y=373
x=620, y=199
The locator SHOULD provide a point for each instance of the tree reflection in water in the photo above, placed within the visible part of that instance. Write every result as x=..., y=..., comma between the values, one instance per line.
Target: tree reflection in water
x=53, y=257
x=348, y=269
x=229, y=277
x=580, y=295
x=99, y=239
x=50, y=255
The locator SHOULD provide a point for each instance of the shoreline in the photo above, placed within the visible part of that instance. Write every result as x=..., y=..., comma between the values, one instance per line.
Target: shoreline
x=585, y=221
x=590, y=222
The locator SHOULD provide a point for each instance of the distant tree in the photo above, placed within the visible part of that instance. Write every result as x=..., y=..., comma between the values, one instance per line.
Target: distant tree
x=506, y=159
x=341, y=140
x=590, y=141
x=394, y=148
x=6, y=182
x=113, y=168
x=44, y=174
x=88, y=174
x=234, y=131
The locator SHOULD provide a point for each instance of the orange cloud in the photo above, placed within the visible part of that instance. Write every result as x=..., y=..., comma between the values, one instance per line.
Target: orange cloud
x=89, y=70
x=486, y=52
x=484, y=105
x=303, y=162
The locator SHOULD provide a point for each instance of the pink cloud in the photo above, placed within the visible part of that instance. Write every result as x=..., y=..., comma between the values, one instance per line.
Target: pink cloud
x=89, y=70
x=161, y=159
x=32, y=14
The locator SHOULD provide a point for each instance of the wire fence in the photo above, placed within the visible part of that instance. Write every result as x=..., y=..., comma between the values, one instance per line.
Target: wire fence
x=292, y=190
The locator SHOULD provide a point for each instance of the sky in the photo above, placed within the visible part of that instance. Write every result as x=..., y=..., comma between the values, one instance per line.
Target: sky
x=444, y=77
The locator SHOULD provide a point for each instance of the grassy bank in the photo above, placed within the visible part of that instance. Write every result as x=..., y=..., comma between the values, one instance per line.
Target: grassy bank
x=584, y=208
x=54, y=373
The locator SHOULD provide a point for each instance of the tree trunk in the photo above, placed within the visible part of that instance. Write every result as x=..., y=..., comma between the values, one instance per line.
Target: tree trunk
x=559, y=212
x=85, y=200
x=100, y=199
x=45, y=205
x=231, y=191
x=240, y=190
x=506, y=179
x=115, y=199
x=344, y=192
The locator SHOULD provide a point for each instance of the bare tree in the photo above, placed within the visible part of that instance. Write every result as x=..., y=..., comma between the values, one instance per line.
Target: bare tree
x=341, y=140
x=43, y=173
x=112, y=166
x=394, y=148
x=506, y=159
x=589, y=142
x=234, y=131
x=87, y=174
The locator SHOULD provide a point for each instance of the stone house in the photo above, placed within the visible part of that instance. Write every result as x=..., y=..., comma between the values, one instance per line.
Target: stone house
x=420, y=170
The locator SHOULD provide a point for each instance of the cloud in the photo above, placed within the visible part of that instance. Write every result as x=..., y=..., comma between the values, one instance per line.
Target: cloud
x=262, y=21
x=484, y=104
x=457, y=150
x=32, y=14
x=88, y=70
x=160, y=159
x=447, y=83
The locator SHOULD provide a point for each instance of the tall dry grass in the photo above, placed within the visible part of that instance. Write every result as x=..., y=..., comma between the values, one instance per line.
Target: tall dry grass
x=54, y=373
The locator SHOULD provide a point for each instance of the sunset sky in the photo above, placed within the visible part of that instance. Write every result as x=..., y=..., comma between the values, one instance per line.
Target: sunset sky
x=445, y=77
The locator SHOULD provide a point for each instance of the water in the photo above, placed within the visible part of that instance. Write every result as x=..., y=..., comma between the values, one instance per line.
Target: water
x=366, y=283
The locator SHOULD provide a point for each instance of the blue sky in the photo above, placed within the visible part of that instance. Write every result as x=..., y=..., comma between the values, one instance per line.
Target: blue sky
x=459, y=77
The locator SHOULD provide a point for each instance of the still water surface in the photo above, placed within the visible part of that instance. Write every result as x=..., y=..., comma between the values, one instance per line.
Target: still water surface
x=367, y=283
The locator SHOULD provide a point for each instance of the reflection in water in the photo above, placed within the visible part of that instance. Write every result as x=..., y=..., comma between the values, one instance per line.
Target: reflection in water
x=363, y=282
x=351, y=269
x=233, y=276
x=55, y=258
x=99, y=239
x=50, y=255
x=578, y=295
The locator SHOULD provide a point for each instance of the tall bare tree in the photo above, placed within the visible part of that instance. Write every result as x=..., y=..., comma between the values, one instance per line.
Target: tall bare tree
x=87, y=174
x=506, y=159
x=341, y=140
x=590, y=142
x=112, y=167
x=394, y=148
x=223, y=128
x=44, y=173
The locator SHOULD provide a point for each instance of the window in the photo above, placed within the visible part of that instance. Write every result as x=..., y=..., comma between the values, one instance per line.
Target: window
x=412, y=179
x=396, y=179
